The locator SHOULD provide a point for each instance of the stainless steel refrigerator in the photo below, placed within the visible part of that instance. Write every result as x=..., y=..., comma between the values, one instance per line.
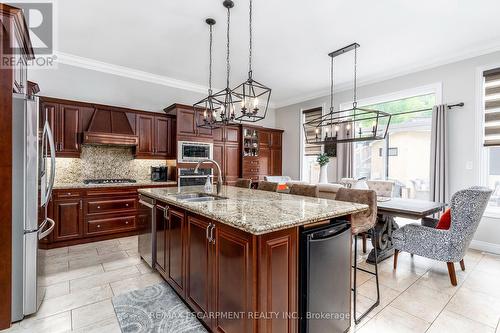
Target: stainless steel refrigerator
x=32, y=181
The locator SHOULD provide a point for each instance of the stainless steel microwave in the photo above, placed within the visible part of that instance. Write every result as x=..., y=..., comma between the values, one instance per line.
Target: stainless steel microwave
x=193, y=152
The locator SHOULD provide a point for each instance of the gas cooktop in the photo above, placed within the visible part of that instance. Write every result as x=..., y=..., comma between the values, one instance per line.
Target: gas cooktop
x=108, y=181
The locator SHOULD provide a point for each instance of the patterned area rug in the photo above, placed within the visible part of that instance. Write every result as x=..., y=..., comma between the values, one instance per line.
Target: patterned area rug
x=155, y=309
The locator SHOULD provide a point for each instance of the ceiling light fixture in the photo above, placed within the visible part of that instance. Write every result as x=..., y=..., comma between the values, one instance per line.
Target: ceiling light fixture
x=210, y=105
x=254, y=96
x=351, y=125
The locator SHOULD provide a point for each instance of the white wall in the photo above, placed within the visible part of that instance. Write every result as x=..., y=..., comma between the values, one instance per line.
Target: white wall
x=458, y=85
x=83, y=84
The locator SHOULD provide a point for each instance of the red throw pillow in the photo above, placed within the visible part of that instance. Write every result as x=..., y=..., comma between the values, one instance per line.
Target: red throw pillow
x=445, y=220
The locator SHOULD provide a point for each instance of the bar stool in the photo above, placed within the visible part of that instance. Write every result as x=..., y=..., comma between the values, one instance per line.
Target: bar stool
x=267, y=186
x=361, y=223
x=243, y=183
x=305, y=190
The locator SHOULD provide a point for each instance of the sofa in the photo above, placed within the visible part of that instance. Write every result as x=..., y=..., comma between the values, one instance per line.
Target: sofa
x=326, y=191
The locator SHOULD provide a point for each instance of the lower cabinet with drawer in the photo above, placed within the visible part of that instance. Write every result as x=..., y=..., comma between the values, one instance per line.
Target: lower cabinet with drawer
x=110, y=224
x=93, y=214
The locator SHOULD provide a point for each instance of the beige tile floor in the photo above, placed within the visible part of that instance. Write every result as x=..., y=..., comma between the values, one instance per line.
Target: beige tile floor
x=81, y=280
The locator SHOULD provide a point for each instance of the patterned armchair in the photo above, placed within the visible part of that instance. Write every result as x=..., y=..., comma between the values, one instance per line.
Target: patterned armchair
x=467, y=208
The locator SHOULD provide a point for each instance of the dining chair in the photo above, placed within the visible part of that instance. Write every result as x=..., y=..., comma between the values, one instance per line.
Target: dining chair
x=361, y=223
x=305, y=190
x=267, y=186
x=383, y=188
x=243, y=183
x=466, y=208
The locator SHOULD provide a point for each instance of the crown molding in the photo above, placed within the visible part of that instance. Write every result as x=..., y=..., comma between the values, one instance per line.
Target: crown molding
x=480, y=51
x=103, y=67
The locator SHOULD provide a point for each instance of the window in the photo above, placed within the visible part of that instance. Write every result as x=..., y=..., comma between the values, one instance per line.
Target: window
x=491, y=137
x=310, y=168
x=404, y=155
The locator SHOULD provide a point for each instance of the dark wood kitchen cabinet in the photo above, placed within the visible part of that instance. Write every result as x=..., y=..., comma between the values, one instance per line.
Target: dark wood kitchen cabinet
x=70, y=119
x=232, y=163
x=199, y=266
x=232, y=282
x=227, y=152
x=93, y=214
x=275, y=168
x=65, y=123
x=268, y=159
x=218, y=269
x=219, y=273
x=187, y=120
x=170, y=250
x=156, y=136
x=68, y=218
x=161, y=238
x=175, y=249
x=145, y=131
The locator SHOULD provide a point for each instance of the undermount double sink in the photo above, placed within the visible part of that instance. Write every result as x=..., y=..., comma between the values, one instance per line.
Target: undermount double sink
x=198, y=197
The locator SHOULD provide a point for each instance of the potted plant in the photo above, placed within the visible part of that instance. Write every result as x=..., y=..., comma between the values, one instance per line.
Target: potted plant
x=323, y=160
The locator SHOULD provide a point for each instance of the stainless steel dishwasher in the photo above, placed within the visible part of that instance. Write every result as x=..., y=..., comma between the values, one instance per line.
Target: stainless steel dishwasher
x=325, y=270
x=147, y=235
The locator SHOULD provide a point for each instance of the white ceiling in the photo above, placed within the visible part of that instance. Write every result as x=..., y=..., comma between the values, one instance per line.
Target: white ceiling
x=292, y=38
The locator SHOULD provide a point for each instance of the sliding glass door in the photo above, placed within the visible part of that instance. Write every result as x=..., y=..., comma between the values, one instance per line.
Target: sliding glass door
x=404, y=155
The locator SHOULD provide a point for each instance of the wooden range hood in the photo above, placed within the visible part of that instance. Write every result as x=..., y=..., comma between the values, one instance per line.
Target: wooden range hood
x=110, y=127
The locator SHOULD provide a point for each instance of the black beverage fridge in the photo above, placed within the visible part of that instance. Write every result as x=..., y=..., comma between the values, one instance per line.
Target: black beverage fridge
x=325, y=270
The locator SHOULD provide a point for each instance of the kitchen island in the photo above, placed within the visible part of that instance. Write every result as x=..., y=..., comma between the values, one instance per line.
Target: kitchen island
x=233, y=258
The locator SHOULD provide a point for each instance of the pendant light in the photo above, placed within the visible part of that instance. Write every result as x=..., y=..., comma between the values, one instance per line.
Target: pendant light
x=254, y=96
x=351, y=125
x=225, y=97
x=210, y=105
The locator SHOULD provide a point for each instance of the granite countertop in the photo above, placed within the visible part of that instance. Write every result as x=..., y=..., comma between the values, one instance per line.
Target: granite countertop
x=137, y=184
x=257, y=212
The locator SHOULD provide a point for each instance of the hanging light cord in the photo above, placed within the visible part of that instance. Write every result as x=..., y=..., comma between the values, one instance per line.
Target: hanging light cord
x=210, y=63
x=331, y=85
x=250, y=44
x=228, y=65
x=355, y=103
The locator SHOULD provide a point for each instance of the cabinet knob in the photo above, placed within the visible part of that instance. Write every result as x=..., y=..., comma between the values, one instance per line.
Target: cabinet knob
x=126, y=205
x=98, y=225
x=126, y=222
x=98, y=207
x=69, y=193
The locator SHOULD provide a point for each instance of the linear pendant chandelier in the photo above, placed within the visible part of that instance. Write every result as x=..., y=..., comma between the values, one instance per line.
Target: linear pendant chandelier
x=352, y=125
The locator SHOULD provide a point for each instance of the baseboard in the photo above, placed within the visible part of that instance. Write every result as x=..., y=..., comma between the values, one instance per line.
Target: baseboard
x=485, y=246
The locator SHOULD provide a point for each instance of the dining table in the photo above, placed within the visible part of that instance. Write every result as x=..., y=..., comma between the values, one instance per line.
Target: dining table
x=390, y=208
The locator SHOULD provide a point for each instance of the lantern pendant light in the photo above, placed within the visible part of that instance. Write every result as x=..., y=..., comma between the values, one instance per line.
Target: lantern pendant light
x=254, y=96
x=210, y=105
x=225, y=97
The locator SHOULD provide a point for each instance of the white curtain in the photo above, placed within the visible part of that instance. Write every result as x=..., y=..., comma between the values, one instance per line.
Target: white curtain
x=439, y=154
x=344, y=157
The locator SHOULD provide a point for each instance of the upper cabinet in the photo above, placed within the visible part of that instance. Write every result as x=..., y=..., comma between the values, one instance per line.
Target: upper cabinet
x=187, y=121
x=156, y=136
x=65, y=122
x=76, y=123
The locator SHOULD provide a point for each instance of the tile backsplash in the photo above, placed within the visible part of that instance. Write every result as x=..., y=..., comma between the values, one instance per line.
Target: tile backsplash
x=97, y=162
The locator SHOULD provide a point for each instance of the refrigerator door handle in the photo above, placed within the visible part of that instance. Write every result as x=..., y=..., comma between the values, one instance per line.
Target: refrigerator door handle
x=42, y=234
x=47, y=131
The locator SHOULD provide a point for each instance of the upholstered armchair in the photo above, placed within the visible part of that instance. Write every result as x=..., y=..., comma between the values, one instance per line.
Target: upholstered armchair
x=467, y=208
x=383, y=188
